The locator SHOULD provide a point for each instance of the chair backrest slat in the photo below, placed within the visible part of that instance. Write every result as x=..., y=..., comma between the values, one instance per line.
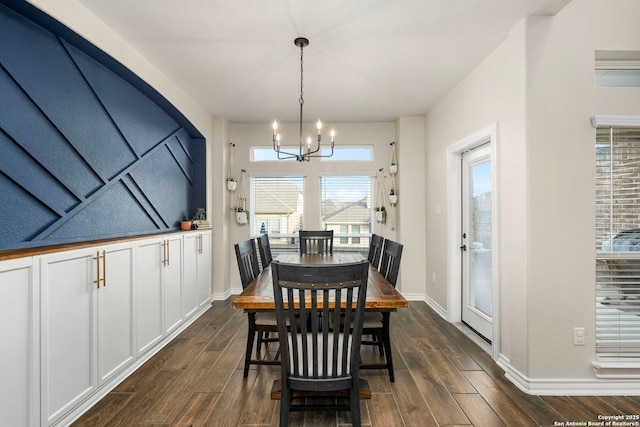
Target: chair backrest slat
x=316, y=242
x=265, y=250
x=316, y=351
x=390, y=263
x=375, y=250
x=247, y=261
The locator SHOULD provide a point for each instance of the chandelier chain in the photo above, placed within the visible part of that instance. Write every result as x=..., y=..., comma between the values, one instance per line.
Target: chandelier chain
x=301, y=71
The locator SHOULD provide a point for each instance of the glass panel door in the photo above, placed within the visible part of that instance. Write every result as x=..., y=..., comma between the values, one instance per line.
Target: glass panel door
x=476, y=248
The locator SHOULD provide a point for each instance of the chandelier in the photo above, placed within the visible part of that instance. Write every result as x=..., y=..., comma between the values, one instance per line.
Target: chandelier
x=305, y=151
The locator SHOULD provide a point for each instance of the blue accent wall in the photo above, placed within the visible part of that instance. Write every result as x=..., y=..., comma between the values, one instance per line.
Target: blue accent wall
x=87, y=149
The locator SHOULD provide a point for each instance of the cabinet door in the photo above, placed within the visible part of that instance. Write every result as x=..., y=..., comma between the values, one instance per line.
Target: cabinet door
x=190, y=269
x=149, y=329
x=173, y=283
x=204, y=269
x=115, y=311
x=20, y=350
x=68, y=331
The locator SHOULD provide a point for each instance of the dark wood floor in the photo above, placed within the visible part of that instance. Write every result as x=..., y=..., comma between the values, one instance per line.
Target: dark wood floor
x=442, y=379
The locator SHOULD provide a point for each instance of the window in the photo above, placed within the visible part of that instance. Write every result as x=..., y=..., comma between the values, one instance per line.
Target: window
x=618, y=242
x=346, y=204
x=351, y=154
x=617, y=68
x=277, y=208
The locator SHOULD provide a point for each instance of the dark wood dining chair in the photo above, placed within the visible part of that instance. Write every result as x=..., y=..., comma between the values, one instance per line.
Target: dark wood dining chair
x=316, y=360
x=260, y=324
x=375, y=250
x=377, y=324
x=265, y=250
x=316, y=242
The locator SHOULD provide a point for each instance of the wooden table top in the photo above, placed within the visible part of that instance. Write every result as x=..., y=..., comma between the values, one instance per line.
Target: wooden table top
x=258, y=296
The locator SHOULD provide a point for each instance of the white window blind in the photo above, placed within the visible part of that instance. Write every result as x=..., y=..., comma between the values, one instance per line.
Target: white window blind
x=618, y=242
x=277, y=208
x=346, y=205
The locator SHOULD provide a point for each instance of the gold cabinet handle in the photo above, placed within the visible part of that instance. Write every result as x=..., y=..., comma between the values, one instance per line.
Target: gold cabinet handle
x=164, y=253
x=104, y=268
x=97, y=281
x=199, y=243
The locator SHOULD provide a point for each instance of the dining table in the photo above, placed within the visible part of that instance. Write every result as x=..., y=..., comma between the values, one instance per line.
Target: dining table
x=381, y=295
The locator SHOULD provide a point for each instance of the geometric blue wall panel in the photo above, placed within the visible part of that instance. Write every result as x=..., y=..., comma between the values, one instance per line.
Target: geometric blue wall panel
x=87, y=149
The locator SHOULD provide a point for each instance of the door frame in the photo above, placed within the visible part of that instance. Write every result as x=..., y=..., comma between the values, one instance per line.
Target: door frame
x=454, y=227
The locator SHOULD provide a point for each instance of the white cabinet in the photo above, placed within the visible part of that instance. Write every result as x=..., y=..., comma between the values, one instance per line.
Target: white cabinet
x=115, y=311
x=86, y=323
x=149, y=257
x=173, y=283
x=197, y=271
x=75, y=321
x=158, y=289
x=19, y=388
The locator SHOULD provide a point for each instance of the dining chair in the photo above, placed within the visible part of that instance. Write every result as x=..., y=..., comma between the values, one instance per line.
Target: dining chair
x=316, y=360
x=316, y=242
x=260, y=324
x=377, y=324
x=375, y=250
x=265, y=250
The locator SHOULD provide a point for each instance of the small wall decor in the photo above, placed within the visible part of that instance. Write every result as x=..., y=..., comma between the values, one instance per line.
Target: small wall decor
x=393, y=170
x=231, y=177
x=242, y=215
x=393, y=166
x=380, y=208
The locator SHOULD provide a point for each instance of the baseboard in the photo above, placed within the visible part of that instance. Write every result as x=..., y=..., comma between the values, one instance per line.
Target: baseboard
x=435, y=307
x=570, y=387
x=226, y=294
x=413, y=297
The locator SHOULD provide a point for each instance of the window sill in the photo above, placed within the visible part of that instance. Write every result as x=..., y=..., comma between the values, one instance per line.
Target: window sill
x=616, y=369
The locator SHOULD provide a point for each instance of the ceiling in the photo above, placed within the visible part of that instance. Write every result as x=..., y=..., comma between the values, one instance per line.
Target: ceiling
x=368, y=60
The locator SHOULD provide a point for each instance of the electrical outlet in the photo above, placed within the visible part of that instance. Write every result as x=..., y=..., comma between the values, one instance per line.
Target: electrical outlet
x=578, y=336
x=433, y=278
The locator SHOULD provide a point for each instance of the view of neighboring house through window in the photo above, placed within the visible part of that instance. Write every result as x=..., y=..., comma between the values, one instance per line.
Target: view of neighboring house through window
x=277, y=208
x=346, y=204
x=618, y=242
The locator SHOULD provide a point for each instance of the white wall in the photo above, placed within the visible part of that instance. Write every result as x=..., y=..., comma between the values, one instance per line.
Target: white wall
x=494, y=92
x=538, y=86
x=411, y=206
x=561, y=161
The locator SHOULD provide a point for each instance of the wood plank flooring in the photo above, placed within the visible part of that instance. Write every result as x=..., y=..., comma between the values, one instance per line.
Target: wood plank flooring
x=442, y=379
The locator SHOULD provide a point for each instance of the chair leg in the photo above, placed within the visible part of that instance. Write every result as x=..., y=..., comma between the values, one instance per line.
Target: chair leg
x=250, y=335
x=354, y=402
x=386, y=340
x=285, y=403
x=378, y=338
x=262, y=336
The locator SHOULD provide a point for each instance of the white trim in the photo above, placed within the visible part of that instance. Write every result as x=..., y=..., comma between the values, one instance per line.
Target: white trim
x=454, y=295
x=619, y=121
x=569, y=386
x=221, y=296
x=617, y=64
x=413, y=297
x=617, y=369
x=436, y=307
